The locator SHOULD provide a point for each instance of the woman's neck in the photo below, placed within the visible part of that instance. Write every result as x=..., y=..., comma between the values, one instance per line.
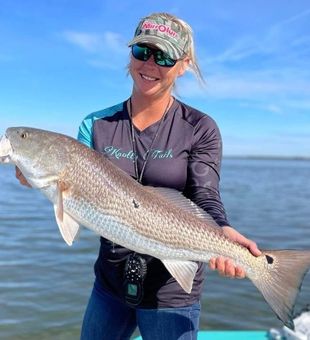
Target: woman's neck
x=145, y=111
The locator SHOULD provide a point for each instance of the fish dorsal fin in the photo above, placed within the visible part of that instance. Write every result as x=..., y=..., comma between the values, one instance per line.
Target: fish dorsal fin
x=178, y=199
x=183, y=271
x=68, y=227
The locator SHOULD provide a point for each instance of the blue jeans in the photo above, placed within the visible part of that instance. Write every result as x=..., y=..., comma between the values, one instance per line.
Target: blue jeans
x=109, y=318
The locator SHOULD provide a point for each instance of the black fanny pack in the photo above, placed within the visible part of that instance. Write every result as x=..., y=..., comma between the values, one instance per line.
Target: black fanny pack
x=134, y=275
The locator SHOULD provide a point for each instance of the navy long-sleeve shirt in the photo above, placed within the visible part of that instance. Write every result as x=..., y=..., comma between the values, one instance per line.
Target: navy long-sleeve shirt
x=185, y=156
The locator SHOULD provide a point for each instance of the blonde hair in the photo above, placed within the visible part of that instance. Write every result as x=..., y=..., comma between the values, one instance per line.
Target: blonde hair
x=190, y=53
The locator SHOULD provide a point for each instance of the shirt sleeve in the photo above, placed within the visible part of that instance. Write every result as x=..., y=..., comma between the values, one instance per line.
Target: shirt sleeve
x=85, y=132
x=203, y=174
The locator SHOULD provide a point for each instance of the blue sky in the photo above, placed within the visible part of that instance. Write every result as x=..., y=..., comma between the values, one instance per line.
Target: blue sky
x=62, y=59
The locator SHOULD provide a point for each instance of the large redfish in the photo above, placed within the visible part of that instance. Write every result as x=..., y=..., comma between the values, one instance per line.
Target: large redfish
x=87, y=189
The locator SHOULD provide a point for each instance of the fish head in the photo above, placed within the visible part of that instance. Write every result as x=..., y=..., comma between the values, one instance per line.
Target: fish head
x=39, y=154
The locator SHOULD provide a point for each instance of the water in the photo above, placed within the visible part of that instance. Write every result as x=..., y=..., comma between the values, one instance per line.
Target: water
x=268, y=201
x=45, y=285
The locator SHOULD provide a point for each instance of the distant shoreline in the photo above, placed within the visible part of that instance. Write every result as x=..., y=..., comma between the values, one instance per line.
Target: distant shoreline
x=262, y=157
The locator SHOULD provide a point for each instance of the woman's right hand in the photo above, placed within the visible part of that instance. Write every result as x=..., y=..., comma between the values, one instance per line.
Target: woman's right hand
x=21, y=178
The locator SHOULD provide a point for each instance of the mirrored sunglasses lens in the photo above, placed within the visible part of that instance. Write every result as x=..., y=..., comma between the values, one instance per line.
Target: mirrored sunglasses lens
x=159, y=59
x=162, y=59
x=169, y=62
x=141, y=52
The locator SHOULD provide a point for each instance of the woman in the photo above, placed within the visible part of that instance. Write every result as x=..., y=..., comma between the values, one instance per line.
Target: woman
x=161, y=142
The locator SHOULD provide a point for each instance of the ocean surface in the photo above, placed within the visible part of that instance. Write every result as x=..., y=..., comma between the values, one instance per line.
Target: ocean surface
x=45, y=285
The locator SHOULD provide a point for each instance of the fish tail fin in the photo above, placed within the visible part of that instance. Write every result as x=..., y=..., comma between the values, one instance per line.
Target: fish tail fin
x=281, y=280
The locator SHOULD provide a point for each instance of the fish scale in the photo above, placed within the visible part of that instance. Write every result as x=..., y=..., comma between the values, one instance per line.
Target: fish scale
x=176, y=228
x=87, y=189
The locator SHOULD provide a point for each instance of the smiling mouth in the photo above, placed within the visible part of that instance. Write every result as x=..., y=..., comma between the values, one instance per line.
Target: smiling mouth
x=143, y=76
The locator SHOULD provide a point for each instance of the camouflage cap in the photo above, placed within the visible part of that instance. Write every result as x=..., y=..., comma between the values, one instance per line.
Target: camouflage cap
x=165, y=34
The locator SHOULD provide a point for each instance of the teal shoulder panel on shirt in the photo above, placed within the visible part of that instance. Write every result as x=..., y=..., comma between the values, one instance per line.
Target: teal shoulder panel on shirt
x=86, y=127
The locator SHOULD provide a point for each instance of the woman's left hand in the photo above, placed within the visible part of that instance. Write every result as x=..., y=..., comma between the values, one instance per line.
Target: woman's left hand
x=226, y=266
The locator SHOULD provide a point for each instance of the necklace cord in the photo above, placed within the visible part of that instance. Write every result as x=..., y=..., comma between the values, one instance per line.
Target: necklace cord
x=133, y=141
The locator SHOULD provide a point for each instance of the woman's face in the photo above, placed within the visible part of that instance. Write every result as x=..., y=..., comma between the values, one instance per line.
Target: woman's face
x=151, y=79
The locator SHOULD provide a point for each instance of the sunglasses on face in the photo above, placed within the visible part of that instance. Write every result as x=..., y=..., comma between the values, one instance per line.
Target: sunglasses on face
x=143, y=53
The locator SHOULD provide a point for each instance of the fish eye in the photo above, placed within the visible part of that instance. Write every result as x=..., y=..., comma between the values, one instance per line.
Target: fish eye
x=24, y=135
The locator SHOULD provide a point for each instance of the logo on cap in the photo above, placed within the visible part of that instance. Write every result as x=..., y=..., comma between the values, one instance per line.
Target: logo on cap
x=148, y=25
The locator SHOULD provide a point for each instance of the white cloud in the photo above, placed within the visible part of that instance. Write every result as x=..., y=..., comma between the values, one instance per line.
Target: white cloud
x=240, y=49
x=294, y=18
x=284, y=39
x=249, y=84
x=97, y=43
x=108, y=50
x=273, y=108
x=114, y=41
x=86, y=41
x=272, y=66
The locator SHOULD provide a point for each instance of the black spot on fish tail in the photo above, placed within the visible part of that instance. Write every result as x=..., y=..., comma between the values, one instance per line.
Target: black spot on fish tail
x=269, y=259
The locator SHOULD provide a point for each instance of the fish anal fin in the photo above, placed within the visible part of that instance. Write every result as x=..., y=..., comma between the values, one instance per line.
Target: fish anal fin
x=183, y=271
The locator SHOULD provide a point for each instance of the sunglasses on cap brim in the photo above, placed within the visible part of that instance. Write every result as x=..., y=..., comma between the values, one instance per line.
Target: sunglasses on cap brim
x=143, y=52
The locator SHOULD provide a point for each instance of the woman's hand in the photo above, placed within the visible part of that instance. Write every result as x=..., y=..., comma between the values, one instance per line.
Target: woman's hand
x=226, y=266
x=21, y=178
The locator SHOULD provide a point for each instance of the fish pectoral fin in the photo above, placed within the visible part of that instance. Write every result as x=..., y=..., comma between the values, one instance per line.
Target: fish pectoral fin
x=61, y=190
x=68, y=227
x=183, y=271
x=58, y=207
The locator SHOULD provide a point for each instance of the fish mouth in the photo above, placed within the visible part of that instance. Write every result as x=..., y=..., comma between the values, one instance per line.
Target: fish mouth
x=5, y=149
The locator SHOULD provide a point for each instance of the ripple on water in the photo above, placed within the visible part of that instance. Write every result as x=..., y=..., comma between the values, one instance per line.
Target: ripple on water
x=45, y=285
